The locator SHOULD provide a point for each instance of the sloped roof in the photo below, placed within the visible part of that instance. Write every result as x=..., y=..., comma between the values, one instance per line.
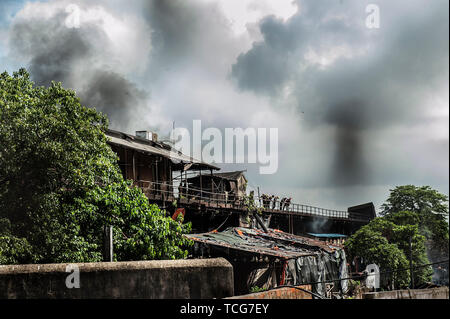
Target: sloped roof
x=157, y=148
x=232, y=176
x=274, y=243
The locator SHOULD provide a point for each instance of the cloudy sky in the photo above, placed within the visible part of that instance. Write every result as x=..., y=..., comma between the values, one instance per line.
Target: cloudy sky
x=359, y=110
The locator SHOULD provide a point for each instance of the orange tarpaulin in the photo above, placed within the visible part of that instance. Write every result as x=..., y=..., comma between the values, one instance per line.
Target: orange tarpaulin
x=178, y=212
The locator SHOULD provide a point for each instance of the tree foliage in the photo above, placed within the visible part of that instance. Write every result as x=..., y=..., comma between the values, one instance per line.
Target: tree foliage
x=431, y=208
x=60, y=184
x=385, y=242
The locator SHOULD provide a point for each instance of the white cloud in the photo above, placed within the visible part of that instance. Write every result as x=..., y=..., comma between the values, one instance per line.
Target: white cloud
x=240, y=13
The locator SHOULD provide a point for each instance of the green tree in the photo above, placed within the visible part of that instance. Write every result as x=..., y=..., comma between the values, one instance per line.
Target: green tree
x=385, y=242
x=60, y=184
x=431, y=208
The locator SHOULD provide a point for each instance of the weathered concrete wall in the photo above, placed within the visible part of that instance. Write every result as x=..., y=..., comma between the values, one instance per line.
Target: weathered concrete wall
x=432, y=293
x=281, y=293
x=168, y=279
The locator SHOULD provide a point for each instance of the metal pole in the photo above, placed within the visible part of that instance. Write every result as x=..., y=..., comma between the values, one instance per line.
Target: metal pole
x=259, y=197
x=291, y=222
x=171, y=188
x=410, y=263
x=126, y=164
x=158, y=186
x=201, y=185
x=108, y=243
x=185, y=183
x=212, y=186
x=134, y=168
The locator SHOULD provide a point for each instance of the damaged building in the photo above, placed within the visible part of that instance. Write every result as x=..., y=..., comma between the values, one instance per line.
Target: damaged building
x=278, y=247
x=208, y=198
x=153, y=165
x=272, y=258
x=226, y=187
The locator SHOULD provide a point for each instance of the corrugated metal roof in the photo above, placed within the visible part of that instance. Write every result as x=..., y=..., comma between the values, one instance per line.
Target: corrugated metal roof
x=142, y=145
x=230, y=175
x=233, y=176
x=274, y=243
x=327, y=235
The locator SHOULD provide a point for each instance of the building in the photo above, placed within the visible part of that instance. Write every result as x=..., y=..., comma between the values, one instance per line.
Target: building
x=210, y=199
x=335, y=239
x=272, y=258
x=152, y=165
x=227, y=186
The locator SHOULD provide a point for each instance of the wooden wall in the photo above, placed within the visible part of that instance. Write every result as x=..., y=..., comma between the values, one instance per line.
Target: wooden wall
x=147, y=167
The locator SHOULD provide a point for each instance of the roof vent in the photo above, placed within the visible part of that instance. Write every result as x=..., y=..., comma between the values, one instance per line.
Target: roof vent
x=147, y=135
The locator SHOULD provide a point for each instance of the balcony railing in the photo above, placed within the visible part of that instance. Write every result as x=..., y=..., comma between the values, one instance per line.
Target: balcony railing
x=193, y=195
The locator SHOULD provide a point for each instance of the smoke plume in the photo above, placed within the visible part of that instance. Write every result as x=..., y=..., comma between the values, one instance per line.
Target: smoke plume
x=82, y=59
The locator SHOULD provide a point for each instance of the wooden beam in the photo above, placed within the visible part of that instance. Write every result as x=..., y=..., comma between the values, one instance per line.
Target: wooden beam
x=134, y=168
x=201, y=185
x=212, y=184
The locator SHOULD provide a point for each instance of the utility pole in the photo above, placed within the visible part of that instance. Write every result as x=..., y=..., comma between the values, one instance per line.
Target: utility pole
x=410, y=263
x=173, y=133
x=108, y=243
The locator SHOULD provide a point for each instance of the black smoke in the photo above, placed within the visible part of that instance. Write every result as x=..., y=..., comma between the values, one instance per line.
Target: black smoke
x=349, y=122
x=382, y=81
x=74, y=57
x=111, y=93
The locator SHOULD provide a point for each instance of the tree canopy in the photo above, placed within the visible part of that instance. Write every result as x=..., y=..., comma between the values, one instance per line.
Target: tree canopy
x=385, y=242
x=410, y=211
x=60, y=184
x=431, y=208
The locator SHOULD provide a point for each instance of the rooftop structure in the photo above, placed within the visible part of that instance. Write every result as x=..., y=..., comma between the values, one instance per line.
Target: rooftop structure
x=174, y=180
x=275, y=258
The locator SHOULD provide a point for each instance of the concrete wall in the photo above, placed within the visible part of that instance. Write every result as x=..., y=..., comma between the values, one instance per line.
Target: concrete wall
x=281, y=293
x=432, y=293
x=190, y=278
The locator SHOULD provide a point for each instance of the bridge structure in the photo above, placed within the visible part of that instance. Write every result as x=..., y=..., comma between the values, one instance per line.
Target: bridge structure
x=207, y=209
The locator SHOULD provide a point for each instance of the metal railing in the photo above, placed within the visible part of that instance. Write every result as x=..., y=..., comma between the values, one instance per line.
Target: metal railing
x=230, y=200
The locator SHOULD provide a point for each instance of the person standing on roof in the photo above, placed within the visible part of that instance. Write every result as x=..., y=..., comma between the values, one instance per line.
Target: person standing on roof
x=266, y=201
x=274, y=202
x=269, y=204
x=283, y=200
x=287, y=203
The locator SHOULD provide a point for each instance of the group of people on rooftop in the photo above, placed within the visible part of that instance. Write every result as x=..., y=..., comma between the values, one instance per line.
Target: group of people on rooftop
x=273, y=202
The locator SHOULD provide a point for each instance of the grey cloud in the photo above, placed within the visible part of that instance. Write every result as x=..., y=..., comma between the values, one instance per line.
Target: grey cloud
x=344, y=109
x=271, y=62
x=193, y=47
x=73, y=56
x=111, y=93
x=386, y=86
x=52, y=48
x=185, y=34
x=261, y=69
